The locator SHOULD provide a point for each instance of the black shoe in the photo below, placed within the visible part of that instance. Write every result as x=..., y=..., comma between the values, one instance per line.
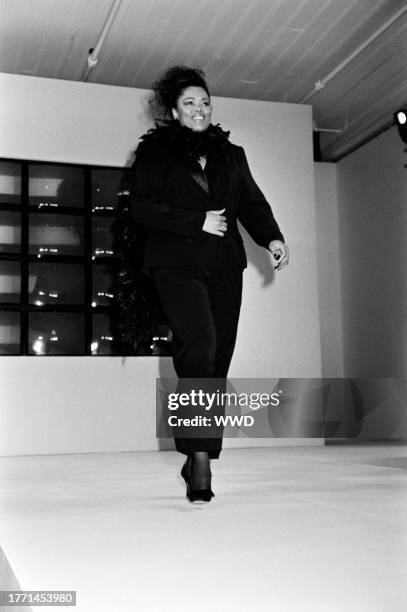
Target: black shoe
x=204, y=495
x=195, y=495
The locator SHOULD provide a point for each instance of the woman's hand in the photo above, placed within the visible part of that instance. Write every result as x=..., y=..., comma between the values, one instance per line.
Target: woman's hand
x=215, y=223
x=279, y=251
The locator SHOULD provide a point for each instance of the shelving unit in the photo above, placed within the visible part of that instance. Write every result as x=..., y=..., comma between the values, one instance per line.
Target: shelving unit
x=57, y=259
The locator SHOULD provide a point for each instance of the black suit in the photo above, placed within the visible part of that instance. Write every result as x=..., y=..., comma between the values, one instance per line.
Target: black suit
x=198, y=276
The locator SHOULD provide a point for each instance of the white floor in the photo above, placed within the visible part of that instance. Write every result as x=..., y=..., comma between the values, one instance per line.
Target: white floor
x=290, y=530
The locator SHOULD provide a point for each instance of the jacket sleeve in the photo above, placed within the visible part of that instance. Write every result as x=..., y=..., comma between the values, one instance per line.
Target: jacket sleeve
x=254, y=212
x=147, y=205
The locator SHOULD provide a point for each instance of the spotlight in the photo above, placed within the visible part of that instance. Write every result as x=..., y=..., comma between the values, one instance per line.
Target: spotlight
x=400, y=119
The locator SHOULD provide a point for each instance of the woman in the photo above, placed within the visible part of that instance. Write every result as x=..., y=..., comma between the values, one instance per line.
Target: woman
x=190, y=185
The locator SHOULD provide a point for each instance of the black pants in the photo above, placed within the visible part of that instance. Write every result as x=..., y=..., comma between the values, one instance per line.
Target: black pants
x=202, y=307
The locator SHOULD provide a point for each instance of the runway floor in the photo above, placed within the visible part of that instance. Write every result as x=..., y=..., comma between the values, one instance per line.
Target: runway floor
x=293, y=529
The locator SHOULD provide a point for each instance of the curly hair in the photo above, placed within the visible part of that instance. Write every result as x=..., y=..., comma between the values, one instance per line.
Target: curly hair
x=170, y=86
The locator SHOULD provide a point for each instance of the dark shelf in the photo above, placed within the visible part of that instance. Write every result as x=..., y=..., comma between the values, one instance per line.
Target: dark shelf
x=57, y=261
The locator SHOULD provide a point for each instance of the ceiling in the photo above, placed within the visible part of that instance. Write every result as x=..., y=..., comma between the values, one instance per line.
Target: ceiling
x=345, y=57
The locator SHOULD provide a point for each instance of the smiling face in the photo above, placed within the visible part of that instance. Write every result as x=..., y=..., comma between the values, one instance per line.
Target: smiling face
x=194, y=109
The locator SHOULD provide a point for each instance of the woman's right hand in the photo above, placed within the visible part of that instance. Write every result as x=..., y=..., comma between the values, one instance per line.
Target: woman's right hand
x=215, y=223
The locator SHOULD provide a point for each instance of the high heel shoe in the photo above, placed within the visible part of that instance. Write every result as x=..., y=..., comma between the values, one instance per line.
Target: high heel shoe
x=204, y=495
x=195, y=495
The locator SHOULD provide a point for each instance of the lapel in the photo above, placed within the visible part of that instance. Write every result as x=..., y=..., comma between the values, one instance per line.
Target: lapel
x=220, y=174
x=217, y=175
x=198, y=180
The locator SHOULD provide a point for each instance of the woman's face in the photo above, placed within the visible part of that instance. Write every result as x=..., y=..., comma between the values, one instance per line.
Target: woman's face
x=194, y=109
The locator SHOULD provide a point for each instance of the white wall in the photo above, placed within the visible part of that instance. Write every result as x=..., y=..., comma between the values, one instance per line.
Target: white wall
x=372, y=198
x=362, y=260
x=102, y=404
x=329, y=270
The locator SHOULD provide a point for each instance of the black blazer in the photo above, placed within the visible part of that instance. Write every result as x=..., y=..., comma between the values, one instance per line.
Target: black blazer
x=167, y=199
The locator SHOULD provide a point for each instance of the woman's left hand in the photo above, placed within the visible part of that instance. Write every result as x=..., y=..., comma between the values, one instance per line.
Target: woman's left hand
x=280, y=253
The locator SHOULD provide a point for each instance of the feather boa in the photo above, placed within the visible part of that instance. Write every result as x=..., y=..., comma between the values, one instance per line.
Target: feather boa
x=185, y=142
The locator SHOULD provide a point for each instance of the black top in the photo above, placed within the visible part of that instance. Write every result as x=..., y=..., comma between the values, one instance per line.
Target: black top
x=170, y=194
